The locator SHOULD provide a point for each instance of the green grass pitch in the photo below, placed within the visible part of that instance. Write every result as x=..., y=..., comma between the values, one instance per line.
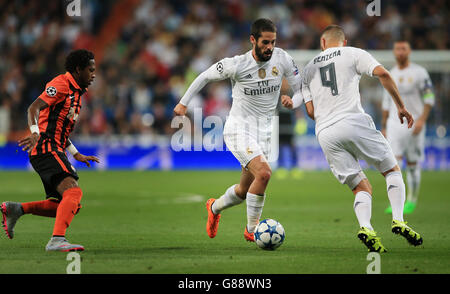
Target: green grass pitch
x=154, y=222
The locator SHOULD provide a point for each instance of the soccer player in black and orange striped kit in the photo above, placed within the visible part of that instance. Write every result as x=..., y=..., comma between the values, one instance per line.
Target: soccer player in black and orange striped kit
x=51, y=118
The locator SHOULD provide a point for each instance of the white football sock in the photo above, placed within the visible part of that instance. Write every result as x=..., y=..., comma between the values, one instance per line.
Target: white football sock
x=413, y=177
x=255, y=204
x=396, y=194
x=363, y=209
x=227, y=200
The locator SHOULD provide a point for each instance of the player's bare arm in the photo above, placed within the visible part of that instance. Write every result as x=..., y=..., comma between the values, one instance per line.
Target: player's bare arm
x=33, y=118
x=297, y=96
x=420, y=122
x=86, y=158
x=80, y=157
x=310, y=109
x=388, y=83
x=384, y=117
x=286, y=100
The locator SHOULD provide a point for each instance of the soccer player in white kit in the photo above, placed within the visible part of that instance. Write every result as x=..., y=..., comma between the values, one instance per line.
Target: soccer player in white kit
x=346, y=133
x=256, y=79
x=416, y=89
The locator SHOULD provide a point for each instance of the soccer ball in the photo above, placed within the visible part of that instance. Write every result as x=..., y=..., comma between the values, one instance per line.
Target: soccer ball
x=269, y=234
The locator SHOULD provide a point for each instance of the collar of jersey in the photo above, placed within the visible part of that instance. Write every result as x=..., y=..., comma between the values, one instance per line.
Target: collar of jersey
x=69, y=76
x=260, y=63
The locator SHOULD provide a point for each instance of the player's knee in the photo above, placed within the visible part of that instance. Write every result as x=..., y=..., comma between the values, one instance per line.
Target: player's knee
x=394, y=169
x=411, y=164
x=67, y=183
x=364, y=185
x=264, y=175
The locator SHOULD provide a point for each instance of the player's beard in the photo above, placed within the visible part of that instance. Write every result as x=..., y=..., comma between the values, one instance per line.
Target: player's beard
x=261, y=55
x=402, y=60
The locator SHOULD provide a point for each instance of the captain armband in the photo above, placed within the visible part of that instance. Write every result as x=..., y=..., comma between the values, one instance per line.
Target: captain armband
x=428, y=97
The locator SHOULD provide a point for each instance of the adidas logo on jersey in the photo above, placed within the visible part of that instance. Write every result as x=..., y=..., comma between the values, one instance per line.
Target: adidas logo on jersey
x=249, y=76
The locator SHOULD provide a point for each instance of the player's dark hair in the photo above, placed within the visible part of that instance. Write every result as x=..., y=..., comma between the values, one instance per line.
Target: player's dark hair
x=262, y=25
x=337, y=31
x=402, y=40
x=78, y=58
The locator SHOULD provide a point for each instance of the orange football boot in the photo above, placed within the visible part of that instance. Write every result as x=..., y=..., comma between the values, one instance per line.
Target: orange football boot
x=250, y=237
x=213, y=219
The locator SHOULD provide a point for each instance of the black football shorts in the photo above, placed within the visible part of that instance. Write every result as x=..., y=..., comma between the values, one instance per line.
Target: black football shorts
x=53, y=167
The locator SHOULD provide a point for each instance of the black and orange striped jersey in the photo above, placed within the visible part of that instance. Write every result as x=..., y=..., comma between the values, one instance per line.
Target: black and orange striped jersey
x=56, y=122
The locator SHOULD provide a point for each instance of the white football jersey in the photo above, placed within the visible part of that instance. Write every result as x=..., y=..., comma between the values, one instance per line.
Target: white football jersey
x=255, y=85
x=331, y=81
x=415, y=88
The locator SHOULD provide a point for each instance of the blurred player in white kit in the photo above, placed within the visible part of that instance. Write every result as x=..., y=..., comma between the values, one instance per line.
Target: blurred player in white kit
x=256, y=79
x=346, y=133
x=416, y=89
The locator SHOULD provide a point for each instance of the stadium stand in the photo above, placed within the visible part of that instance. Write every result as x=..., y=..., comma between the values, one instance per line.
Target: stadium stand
x=148, y=51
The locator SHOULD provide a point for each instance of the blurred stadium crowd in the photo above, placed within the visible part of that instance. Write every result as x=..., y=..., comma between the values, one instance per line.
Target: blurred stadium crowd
x=162, y=45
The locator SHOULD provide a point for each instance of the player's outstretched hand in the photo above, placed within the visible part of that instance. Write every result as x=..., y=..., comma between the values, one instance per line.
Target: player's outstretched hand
x=83, y=158
x=29, y=142
x=286, y=101
x=180, y=110
x=403, y=113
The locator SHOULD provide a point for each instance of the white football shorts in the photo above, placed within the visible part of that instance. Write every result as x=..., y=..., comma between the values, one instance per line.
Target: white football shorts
x=404, y=143
x=351, y=139
x=250, y=137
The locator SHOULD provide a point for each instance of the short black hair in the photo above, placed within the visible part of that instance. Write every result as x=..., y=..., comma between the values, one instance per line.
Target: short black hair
x=262, y=25
x=402, y=40
x=335, y=31
x=78, y=58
